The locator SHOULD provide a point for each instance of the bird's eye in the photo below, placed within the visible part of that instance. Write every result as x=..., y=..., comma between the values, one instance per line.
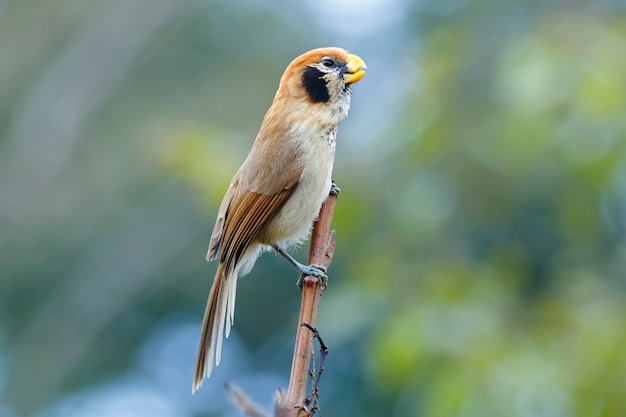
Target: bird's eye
x=328, y=62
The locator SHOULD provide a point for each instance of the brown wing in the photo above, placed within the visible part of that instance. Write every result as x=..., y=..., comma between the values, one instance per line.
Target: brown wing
x=262, y=185
x=216, y=235
x=252, y=212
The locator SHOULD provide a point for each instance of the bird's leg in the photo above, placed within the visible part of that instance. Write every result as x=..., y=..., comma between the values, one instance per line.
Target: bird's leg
x=334, y=190
x=305, y=270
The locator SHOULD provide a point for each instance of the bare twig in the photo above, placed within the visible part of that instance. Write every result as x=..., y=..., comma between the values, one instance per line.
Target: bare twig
x=293, y=404
x=245, y=404
x=311, y=401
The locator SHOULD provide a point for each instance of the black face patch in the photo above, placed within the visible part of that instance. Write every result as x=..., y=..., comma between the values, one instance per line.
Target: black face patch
x=315, y=85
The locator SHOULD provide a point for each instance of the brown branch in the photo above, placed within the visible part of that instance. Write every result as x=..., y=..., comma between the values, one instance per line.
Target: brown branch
x=321, y=253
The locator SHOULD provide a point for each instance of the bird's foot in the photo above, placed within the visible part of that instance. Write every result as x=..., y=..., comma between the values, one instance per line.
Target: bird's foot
x=312, y=270
x=305, y=270
x=334, y=190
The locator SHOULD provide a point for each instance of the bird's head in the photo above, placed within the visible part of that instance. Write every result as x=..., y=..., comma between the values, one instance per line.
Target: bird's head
x=322, y=78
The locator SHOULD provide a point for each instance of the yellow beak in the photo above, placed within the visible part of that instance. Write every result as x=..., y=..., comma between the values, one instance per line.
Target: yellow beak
x=356, y=69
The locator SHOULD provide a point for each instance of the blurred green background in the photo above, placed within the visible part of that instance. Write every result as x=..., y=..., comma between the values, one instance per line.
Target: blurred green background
x=481, y=259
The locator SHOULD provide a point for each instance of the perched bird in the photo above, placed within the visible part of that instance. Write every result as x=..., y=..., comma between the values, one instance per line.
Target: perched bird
x=277, y=192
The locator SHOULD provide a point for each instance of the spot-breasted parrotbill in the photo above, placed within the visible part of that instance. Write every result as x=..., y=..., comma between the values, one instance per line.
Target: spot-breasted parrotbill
x=277, y=192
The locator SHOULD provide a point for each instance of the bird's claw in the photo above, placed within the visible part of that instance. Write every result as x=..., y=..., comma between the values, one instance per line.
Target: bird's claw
x=334, y=190
x=312, y=270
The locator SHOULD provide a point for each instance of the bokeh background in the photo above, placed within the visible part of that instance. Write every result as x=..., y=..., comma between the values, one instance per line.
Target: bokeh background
x=481, y=259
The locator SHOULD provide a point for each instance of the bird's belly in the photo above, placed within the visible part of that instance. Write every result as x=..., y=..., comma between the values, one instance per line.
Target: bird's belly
x=292, y=223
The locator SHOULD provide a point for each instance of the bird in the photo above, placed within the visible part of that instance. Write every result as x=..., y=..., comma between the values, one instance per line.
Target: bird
x=277, y=192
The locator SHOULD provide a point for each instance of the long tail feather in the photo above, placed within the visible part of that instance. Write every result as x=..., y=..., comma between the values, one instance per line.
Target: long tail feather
x=210, y=348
